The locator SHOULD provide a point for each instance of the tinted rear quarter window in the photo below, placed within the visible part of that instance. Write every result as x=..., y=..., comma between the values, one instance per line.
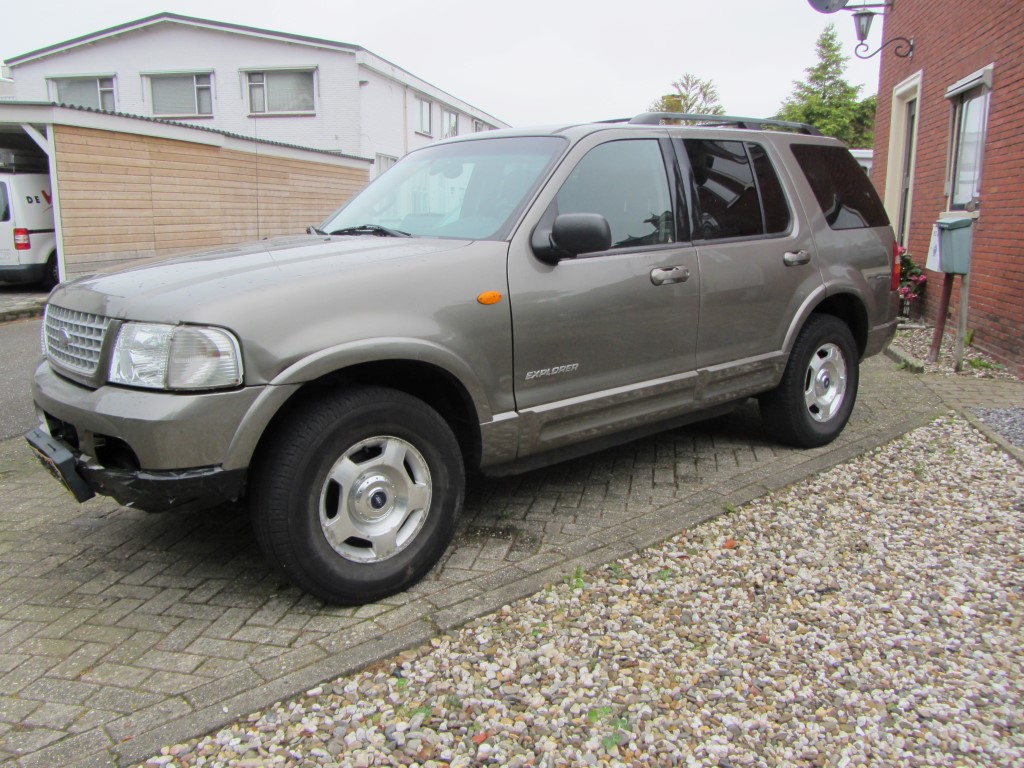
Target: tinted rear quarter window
x=5, y=203
x=842, y=188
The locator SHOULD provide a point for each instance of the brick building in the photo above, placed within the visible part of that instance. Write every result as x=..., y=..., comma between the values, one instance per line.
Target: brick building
x=948, y=141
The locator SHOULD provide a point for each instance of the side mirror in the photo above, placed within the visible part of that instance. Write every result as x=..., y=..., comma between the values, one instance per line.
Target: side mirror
x=572, y=234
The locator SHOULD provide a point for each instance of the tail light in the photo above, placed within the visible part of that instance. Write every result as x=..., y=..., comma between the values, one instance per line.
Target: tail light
x=894, y=280
x=21, y=240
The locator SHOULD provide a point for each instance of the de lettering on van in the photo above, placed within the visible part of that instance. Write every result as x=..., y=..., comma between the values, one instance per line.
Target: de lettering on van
x=30, y=199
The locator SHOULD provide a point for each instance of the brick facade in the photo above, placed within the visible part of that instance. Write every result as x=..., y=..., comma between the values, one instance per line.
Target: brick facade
x=952, y=41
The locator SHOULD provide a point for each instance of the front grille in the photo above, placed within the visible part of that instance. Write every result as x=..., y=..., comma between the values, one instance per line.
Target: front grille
x=74, y=340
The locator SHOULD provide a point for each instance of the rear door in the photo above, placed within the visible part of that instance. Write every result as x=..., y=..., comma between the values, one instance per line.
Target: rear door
x=606, y=340
x=8, y=256
x=757, y=262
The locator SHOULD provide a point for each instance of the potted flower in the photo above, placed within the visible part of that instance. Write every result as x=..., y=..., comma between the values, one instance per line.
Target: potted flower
x=912, y=280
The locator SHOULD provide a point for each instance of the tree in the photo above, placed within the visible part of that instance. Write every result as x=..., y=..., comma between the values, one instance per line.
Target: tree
x=693, y=96
x=827, y=101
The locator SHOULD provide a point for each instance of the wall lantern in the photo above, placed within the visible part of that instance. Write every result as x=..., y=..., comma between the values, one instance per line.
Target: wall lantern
x=862, y=18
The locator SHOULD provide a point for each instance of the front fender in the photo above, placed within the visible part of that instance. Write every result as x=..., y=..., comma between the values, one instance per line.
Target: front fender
x=338, y=358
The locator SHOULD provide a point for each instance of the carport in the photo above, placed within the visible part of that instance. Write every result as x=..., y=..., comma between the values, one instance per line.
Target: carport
x=127, y=188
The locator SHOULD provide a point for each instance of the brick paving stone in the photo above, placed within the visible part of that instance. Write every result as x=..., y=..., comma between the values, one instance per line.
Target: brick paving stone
x=176, y=622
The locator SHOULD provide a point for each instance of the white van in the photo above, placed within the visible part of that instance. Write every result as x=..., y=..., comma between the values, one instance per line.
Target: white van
x=28, y=242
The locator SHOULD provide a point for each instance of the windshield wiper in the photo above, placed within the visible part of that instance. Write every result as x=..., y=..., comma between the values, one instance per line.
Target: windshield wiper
x=311, y=230
x=371, y=229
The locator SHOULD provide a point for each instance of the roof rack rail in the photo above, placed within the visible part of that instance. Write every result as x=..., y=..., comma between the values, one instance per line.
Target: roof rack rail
x=752, y=123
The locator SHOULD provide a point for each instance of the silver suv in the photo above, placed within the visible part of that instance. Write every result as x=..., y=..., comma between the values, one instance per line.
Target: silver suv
x=494, y=302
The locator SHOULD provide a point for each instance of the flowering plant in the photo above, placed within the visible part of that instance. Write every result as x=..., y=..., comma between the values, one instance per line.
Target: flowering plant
x=912, y=278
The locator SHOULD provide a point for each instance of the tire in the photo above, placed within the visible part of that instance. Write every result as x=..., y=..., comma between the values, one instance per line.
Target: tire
x=814, y=400
x=355, y=496
x=52, y=275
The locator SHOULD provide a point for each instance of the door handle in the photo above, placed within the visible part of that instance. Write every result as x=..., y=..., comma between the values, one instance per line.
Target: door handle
x=667, y=275
x=794, y=258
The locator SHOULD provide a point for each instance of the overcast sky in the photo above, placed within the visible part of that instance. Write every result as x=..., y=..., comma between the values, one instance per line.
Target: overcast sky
x=523, y=61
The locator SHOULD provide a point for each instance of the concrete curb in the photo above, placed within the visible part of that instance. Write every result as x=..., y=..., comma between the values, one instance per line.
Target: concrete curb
x=906, y=362
x=26, y=313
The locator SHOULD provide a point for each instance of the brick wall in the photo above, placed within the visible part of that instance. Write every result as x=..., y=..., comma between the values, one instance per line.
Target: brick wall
x=953, y=40
x=124, y=197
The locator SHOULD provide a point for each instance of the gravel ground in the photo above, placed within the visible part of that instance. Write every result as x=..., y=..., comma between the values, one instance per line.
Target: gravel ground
x=868, y=616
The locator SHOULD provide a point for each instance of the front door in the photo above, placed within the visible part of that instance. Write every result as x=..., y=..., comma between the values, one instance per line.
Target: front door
x=605, y=341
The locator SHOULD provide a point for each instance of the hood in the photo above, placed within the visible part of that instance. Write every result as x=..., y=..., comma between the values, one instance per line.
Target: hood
x=203, y=287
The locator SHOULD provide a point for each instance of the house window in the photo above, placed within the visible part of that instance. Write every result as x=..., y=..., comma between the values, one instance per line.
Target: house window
x=283, y=91
x=449, y=124
x=480, y=126
x=182, y=95
x=970, y=117
x=423, y=115
x=94, y=92
x=384, y=163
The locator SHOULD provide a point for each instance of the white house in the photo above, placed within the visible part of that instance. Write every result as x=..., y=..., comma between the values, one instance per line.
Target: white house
x=266, y=85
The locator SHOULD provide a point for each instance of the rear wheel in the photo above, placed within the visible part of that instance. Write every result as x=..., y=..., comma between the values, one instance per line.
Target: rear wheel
x=51, y=277
x=356, y=495
x=814, y=400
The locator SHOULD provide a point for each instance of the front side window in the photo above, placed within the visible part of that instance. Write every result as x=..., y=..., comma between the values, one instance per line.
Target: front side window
x=423, y=115
x=626, y=182
x=970, y=119
x=450, y=124
x=468, y=190
x=182, y=94
x=92, y=92
x=280, y=91
x=842, y=189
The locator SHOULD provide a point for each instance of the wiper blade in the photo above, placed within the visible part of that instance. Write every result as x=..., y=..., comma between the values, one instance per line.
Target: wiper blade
x=371, y=229
x=311, y=230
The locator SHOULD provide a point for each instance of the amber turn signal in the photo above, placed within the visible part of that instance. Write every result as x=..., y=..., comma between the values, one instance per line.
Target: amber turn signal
x=489, y=297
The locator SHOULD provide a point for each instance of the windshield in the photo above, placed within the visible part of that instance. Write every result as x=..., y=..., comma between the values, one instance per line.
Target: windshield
x=471, y=190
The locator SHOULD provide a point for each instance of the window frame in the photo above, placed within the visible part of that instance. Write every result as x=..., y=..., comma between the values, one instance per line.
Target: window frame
x=106, y=84
x=384, y=163
x=196, y=88
x=681, y=229
x=449, y=131
x=975, y=87
x=424, y=108
x=693, y=195
x=266, y=73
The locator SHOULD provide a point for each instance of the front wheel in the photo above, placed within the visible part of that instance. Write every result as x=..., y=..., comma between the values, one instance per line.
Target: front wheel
x=356, y=494
x=815, y=398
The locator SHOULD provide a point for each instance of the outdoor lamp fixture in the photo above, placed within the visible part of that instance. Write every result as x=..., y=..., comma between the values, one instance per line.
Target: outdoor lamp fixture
x=862, y=18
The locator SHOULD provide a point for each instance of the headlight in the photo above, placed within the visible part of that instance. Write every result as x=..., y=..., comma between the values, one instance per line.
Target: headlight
x=159, y=356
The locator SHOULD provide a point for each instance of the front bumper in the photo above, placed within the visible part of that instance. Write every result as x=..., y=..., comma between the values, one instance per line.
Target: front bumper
x=150, y=450
x=150, y=491
x=164, y=430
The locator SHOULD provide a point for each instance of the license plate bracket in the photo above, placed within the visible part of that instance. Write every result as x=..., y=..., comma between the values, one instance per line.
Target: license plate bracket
x=58, y=459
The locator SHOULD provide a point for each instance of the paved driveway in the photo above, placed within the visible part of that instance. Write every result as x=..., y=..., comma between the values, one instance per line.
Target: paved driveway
x=122, y=631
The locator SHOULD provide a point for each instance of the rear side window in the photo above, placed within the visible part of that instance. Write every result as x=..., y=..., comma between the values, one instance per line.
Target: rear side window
x=5, y=203
x=738, y=191
x=842, y=188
